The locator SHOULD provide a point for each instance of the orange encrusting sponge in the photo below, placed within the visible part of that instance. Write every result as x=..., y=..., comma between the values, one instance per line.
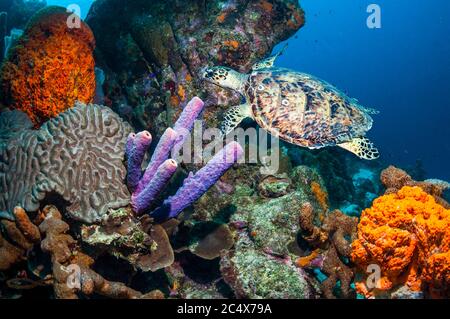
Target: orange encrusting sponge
x=50, y=68
x=407, y=234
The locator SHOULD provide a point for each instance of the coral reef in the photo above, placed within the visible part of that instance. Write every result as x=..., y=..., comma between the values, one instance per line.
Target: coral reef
x=254, y=274
x=72, y=273
x=139, y=242
x=330, y=244
x=406, y=233
x=76, y=157
x=160, y=168
x=394, y=179
x=103, y=139
x=21, y=235
x=153, y=52
x=87, y=211
x=50, y=68
x=284, y=224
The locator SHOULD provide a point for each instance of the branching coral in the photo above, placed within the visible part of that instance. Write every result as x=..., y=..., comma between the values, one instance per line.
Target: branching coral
x=18, y=237
x=50, y=68
x=407, y=234
x=72, y=273
x=330, y=243
x=320, y=194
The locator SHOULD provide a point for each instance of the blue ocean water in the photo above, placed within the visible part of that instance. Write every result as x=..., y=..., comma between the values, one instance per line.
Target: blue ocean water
x=83, y=4
x=402, y=69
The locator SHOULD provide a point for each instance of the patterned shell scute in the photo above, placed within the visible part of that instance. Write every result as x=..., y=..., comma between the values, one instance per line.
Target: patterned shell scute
x=304, y=110
x=78, y=156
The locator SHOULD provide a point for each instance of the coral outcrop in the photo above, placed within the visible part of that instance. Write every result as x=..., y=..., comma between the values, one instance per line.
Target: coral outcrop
x=394, y=179
x=255, y=274
x=141, y=243
x=153, y=51
x=282, y=222
x=76, y=159
x=407, y=234
x=50, y=68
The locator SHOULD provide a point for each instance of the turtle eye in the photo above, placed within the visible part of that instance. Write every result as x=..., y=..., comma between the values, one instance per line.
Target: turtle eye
x=208, y=74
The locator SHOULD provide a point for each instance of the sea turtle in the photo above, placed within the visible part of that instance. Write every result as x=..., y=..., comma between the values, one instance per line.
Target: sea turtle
x=296, y=107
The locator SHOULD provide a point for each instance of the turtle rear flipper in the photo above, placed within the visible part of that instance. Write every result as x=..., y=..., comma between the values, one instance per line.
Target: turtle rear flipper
x=361, y=147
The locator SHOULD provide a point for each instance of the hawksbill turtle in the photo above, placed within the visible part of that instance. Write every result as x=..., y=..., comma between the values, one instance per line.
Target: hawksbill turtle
x=296, y=107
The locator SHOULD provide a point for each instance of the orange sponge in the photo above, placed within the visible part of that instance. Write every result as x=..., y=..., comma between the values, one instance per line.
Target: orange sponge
x=407, y=234
x=50, y=68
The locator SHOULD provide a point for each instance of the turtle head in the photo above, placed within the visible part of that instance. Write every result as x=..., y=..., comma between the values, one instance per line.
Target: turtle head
x=224, y=77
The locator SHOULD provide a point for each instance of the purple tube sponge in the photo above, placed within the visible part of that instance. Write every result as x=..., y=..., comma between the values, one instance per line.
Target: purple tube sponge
x=136, y=147
x=141, y=201
x=195, y=185
x=161, y=168
x=145, y=187
x=161, y=153
x=183, y=126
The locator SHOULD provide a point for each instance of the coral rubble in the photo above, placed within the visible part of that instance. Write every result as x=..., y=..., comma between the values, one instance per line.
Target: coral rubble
x=50, y=68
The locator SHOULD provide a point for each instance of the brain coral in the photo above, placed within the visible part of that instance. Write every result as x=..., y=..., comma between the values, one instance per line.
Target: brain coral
x=77, y=155
x=50, y=68
x=408, y=235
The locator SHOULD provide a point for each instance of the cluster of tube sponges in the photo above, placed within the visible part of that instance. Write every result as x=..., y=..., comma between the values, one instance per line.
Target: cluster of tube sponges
x=146, y=186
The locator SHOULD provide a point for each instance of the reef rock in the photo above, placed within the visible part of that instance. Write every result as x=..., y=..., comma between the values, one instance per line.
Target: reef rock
x=254, y=274
x=153, y=51
x=76, y=157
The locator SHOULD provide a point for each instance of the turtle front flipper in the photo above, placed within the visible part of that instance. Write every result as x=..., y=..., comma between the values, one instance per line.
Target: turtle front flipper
x=234, y=116
x=361, y=147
